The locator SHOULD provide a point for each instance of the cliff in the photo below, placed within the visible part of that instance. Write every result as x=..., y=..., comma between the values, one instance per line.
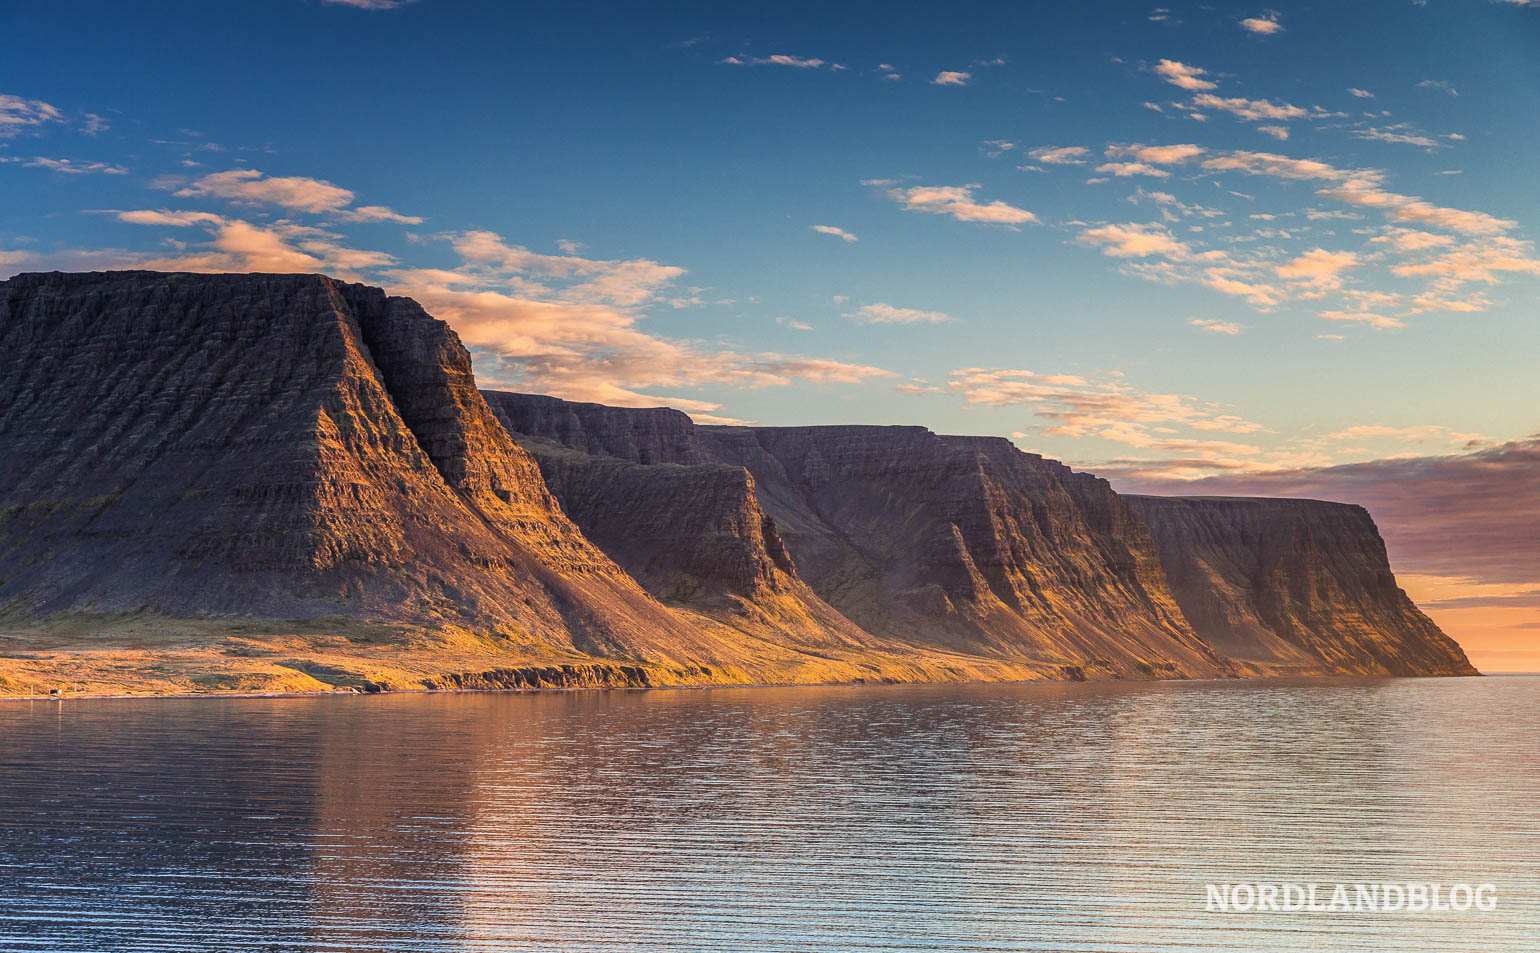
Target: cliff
x=1300, y=586
x=957, y=544
x=691, y=532
x=286, y=482
x=280, y=446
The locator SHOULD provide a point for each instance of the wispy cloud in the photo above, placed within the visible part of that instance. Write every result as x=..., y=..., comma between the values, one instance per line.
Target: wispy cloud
x=1266, y=24
x=296, y=193
x=1438, y=84
x=18, y=115
x=777, y=59
x=369, y=4
x=835, y=231
x=888, y=314
x=1135, y=241
x=71, y=167
x=1107, y=407
x=1060, y=155
x=1249, y=109
x=1180, y=74
x=1229, y=328
x=957, y=201
x=951, y=78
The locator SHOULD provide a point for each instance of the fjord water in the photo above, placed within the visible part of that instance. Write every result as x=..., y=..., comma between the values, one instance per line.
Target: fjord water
x=1082, y=817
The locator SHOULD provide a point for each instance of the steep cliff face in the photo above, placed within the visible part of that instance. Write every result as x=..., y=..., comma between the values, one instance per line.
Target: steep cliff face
x=692, y=532
x=1294, y=586
x=952, y=543
x=969, y=544
x=280, y=446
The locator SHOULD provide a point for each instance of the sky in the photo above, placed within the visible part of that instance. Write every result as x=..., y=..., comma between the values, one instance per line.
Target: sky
x=1202, y=248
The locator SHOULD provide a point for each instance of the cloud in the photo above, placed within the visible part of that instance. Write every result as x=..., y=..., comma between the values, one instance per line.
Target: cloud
x=377, y=213
x=250, y=187
x=18, y=115
x=777, y=59
x=570, y=326
x=1182, y=75
x=1217, y=327
x=1378, y=322
x=888, y=314
x=1123, y=169
x=1318, y=266
x=1272, y=164
x=369, y=4
x=1484, y=260
x=1366, y=191
x=1277, y=132
x=1360, y=93
x=1161, y=155
x=1250, y=109
x=71, y=167
x=957, y=201
x=239, y=246
x=951, y=78
x=166, y=217
x=1107, y=408
x=1438, y=84
x=1399, y=133
x=1266, y=24
x=1131, y=241
x=836, y=232
x=1060, y=155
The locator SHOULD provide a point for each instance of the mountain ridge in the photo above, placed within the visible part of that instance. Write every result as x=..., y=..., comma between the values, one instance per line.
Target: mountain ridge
x=291, y=481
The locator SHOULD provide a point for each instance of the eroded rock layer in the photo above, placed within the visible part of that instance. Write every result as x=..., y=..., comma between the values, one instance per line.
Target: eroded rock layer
x=1294, y=585
x=280, y=446
x=692, y=532
x=956, y=543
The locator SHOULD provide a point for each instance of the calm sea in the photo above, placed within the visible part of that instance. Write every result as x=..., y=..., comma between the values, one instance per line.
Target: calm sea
x=1083, y=817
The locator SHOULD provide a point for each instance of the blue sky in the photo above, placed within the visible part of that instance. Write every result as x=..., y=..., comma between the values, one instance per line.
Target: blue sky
x=618, y=202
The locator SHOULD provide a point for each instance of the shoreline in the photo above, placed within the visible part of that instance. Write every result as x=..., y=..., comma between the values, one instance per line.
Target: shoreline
x=350, y=693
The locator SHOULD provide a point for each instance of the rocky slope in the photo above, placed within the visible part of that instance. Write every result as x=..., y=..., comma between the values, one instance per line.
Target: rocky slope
x=1294, y=585
x=692, y=532
x=281, y=446
x=248, y=481
x=286, y=482
x=953, y=543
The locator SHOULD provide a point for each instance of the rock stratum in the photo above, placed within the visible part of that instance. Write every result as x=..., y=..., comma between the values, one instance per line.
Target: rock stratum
x=1302, y=585
x=287, y=482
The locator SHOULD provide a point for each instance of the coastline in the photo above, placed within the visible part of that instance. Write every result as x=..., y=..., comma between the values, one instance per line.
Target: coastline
x=554, y=689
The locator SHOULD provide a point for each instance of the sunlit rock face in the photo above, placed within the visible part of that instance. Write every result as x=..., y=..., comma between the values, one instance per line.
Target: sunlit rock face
x=957, y=544
x=280, y=446
x=1285, y=585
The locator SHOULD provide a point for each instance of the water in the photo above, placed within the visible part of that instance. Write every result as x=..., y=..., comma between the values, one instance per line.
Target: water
x=1008, y=817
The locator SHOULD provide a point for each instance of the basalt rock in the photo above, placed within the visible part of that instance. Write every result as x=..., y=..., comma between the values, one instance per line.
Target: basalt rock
x=691, y=532
x=958, y=544
x=281, y=446
x=1287, y=586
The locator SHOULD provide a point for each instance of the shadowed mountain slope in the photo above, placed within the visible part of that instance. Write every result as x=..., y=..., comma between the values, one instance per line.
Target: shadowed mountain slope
x=280, y=446
x=1301, y=585
x=954, y=543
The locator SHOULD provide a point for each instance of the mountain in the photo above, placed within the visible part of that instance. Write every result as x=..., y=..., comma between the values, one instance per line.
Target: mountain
x=958, y=544
x=1294, y=586
x=244, y=479
x=289, y=483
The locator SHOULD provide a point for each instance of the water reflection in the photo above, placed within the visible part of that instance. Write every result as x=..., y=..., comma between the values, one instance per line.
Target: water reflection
x=1063, y=817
